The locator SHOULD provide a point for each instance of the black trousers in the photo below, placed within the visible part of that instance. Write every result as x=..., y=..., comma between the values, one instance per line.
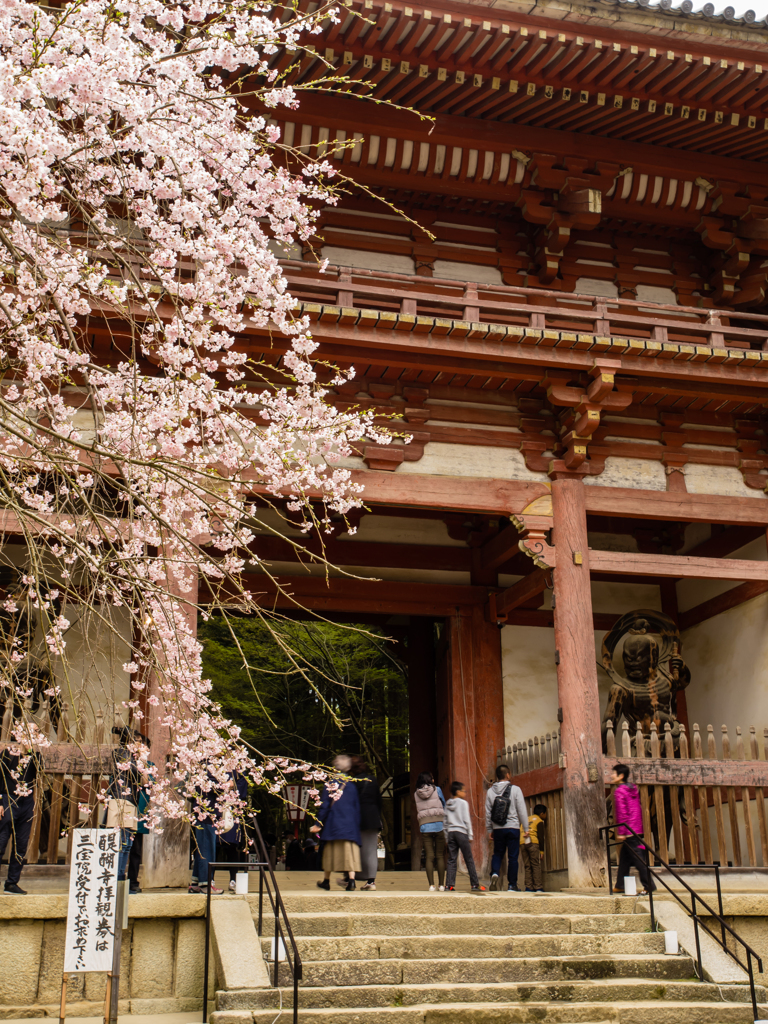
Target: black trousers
x=633, y=856
x=134, y=859
x=460, y=841
x=230, y=853
x=16, y=826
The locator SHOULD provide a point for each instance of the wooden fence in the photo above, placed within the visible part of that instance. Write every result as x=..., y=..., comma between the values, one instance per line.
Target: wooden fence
x=700, y=805
x=75, y=773
x=642, y=325
x=535, y=767
x=684, y=791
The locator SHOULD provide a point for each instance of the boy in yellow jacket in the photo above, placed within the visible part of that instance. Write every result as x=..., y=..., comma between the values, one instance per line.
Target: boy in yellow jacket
x=533, y=849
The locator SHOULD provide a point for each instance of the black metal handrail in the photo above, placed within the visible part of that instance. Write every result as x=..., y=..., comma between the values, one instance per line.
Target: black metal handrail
x=283, y=938
x=698, y=921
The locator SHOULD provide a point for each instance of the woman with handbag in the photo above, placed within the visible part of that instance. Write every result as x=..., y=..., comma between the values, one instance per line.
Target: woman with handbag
x=230, y=844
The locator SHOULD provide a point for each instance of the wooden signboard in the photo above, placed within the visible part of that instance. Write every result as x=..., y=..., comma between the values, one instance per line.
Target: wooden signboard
x=92, y=900
x=95, y=912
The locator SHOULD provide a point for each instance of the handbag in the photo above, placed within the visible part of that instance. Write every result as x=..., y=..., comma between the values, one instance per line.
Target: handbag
x=122, y=814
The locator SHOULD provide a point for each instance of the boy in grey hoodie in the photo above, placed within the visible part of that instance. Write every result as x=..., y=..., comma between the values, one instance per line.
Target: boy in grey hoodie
x=506, y=835
x=460, y=835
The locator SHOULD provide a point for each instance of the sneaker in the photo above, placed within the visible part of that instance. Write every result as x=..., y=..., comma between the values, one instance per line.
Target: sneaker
x=450, y=888
x=232, y=885
x=14, y=889
x=134, y=890
x=194, y=887
x=529, y=890
x=215, y=890
x=431, y=888
x=342, y=881
x=351, y=885
x=441, y=888
x=538, y=890
x=478, y=888
x=325, y=884
x=368, y=887
x=494, y=883
x=512, y=888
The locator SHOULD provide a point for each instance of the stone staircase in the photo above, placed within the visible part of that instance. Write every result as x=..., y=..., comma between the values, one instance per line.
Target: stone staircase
x=453, y=958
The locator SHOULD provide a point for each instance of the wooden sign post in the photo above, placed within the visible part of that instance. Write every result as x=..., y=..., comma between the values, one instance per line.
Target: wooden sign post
x=95, y=914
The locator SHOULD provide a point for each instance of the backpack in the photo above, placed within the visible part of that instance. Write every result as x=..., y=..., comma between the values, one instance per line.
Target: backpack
x=500, y=808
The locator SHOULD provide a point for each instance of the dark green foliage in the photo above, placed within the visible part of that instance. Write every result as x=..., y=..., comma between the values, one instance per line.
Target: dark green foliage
x=311, y=689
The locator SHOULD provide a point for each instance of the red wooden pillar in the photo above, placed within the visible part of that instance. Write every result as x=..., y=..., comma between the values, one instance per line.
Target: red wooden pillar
x=166, y=855
x=584, y=792
x=470, y=711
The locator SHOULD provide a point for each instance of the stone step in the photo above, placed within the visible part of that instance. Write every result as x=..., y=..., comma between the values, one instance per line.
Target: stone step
x=373, y=923
x=607, y=993
x=659, y=1012
x=470, y=947
x=321, y=973
x=450, y=903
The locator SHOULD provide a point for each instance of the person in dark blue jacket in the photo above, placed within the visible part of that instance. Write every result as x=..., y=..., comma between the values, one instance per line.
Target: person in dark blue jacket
x=340, y=828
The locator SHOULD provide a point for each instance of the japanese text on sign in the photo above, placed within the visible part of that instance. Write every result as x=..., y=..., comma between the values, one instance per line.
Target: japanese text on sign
x=92, y=900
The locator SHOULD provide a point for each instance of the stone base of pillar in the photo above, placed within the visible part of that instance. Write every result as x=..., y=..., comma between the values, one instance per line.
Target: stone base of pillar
x=165, y=860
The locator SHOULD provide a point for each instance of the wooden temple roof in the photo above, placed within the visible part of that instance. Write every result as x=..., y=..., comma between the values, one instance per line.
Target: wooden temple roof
x=618, y=80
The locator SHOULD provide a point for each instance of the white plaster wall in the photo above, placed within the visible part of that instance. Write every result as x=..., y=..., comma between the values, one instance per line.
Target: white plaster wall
x=442, y=459
x=529, y=679
x=656, y=293
x=528, y=666
x=467, y=272
x=692, y=592
x=644, y=474
x=365, y=260
x=98, y=644
x=91, y=673
x=596, y=286
x=701, y=479
x=728, y=659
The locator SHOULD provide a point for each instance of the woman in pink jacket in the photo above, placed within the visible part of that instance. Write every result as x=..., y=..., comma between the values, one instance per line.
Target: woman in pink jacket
x=628, y=812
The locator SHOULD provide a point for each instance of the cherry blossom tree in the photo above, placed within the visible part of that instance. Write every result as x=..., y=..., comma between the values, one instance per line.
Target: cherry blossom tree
x=144, y=196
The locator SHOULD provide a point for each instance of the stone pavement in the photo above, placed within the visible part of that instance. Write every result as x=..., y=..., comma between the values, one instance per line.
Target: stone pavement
x=128, y=1018
x=41, y=881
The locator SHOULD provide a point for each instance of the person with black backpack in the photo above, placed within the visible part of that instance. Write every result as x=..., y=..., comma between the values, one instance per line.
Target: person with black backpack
x=505, y=817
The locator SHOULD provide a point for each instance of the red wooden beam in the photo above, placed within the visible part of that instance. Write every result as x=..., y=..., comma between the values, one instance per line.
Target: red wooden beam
x=367, y=553
x=722, y=603
x=500, y=548
x=544, y=618
x=466, y=494
x=678, y=566
x=677, y=506
x=344, y=594
x=727, y=541
x=76, y=758
x=529, y=586
x=540, y=780
x=685, y=772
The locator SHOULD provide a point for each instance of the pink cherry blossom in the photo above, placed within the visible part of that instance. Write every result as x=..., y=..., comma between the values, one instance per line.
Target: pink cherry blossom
x=140, y=203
